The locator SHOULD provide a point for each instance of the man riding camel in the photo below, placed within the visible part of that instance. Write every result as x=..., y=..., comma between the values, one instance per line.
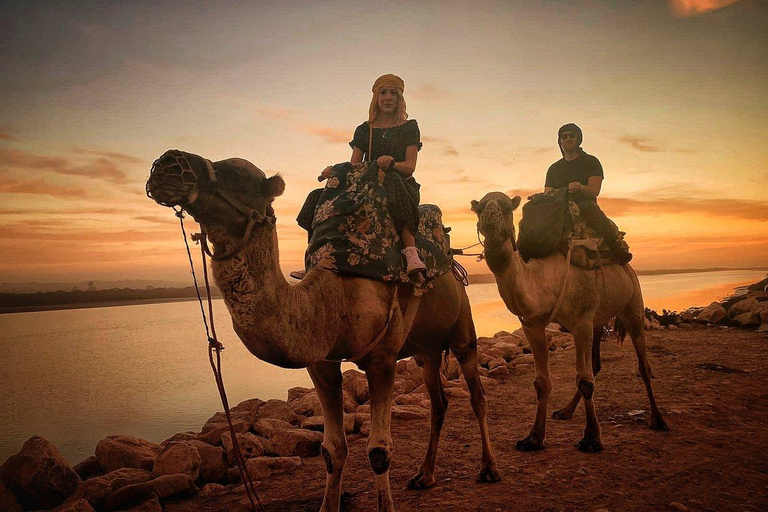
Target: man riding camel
x=583, y=175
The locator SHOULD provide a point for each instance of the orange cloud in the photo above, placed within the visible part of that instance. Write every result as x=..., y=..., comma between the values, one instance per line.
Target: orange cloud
x=7, y=137
x=428, y=92
x=41, y=187
x=109, y=154
x=640, y=144
x=451, y=151
x=690, y=8
x=103, y=168
x=739, y=208
x=304, y=125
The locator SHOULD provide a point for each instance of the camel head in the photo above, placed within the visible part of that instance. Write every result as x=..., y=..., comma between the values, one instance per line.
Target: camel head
x=494, y=216
x=229, y=194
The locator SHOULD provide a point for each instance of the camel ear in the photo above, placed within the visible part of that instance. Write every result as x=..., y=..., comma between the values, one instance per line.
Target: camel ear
x=275, y=186
x=474, y=204
x=515, y=202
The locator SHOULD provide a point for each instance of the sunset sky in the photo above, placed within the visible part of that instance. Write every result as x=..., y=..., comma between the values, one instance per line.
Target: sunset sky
x=671, y=97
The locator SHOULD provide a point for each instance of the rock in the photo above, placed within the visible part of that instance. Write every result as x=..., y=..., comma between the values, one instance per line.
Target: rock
x=522, y=360
x=483, y=341
x=307, y=405
x=264, y=467
x=278, y=410
x=365, y=428
x=483, y=359
x=96, y=490
x=115, y=452
x=38, y=475
x=213, y=489
x=162, y=486
x=494, y=352
x=151, y=505
x=452, y=370
x=741, y=307
x=88, y=468
x=181, y=436
x=250, y=446
x=365, y=409
x=687, y=316
x=80, y=505
x=349, y=402
x=672, y=327
x=403, y=386
x=747, y=319
x=509, y=350
x=495, y=363
x=213, y=464
x=712, y=314
x=297, y=392
x=356, y=384
x=410, y=398
x=409, y=412
x=499, y=371
x=360, y=420
x=678, y=506
x=317, y=424
x=8, y=502
x=218, y=425
x=251, y=405
x=504, y=334
x=179, y=457
x=303, y=443
x=456, y=393
x=656, y=327
x=763, y=328
x=267, y=426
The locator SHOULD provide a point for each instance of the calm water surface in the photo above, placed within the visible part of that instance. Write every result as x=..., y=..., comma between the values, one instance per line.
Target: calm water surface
x=76, y=376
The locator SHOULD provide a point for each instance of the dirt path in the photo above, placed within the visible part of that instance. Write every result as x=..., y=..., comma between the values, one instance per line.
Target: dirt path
x=711, y=384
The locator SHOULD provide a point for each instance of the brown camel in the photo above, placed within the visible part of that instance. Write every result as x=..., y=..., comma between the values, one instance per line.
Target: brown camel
x=591, y=299
x=326, y=317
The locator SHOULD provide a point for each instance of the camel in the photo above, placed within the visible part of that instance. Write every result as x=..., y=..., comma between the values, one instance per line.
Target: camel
x=591, y=298
x=326, y=317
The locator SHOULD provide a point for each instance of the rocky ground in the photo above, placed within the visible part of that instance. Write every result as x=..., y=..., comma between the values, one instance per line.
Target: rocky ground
x=711, y=383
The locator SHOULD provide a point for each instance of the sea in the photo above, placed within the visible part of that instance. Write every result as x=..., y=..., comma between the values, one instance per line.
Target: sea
x=76, y=376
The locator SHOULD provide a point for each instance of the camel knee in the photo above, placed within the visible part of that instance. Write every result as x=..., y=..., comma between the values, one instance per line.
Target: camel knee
x=586, y=388
x=334, y=457
x=379, y=458
x=542, y=387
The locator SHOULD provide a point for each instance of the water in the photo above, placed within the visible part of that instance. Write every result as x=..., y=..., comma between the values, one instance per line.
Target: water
x=76, y=376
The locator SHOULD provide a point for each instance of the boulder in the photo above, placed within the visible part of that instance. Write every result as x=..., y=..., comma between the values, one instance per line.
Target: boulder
x=88, y=468
x=366, y=408
x=80, y=505
x=747, y=319
x=264, y=467
x=151, y=505
x=278, y=410
x=360, y=420
x=457, y=393
x=181, y=436
x=250, y=446
x=298, y=392
x=365, y=428
x=8, y=502
x=252, y=405
x=178, y=457
x=162, y=486
x=712, y=314
x=522, y=360
x=213, y=464
x=213, y=489
x=483, y=359
x=97, y=489
x=494, y=352
x=296, y=442
x=452, y=370
x=495, y=363
x=763, y=328
x=410, y=398
x=687, y=316
x=317, y=423
x=508, y=350
x=409, y=412
x=218, y=425
x=349, y=402
x=403, y=386
x=741, y=307
x=38, y=475
x=307, y=405
x=356, y=384
x=499, y=371
x=116, y=452
x=265, y=427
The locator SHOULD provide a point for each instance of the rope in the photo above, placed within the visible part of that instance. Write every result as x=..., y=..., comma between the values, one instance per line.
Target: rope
x=214, y=346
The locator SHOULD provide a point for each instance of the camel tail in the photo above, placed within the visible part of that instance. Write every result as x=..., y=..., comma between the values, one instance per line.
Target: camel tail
x=620, y=330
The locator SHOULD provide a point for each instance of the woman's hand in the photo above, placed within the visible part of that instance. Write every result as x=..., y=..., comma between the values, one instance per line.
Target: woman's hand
x=385, y=162
x=326, y=173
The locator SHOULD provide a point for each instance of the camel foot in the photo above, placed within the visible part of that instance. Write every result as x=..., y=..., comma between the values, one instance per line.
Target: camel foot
x=562, y=414
x=658, y=423
x=530, y=444
x=488, y=475
x=590, y=444
x=421, y=482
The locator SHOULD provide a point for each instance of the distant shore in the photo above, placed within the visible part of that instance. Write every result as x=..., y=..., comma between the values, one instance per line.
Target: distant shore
x=77, y=299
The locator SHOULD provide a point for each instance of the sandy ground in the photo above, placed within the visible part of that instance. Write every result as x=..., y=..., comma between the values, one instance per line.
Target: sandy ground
x=710, y=383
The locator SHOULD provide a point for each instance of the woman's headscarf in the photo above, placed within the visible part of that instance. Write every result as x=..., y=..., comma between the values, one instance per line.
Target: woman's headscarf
x=388, y=81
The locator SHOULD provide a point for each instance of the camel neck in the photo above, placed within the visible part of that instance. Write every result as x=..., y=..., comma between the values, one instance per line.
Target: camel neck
x=510, y=272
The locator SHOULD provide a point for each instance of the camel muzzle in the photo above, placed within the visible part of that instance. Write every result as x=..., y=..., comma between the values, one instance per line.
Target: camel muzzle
x=172, y=181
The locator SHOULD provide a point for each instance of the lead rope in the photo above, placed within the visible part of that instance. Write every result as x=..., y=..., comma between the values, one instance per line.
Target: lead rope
x=215, y=346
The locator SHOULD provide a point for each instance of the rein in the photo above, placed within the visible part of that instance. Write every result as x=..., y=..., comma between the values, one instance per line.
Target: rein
x=214, y=352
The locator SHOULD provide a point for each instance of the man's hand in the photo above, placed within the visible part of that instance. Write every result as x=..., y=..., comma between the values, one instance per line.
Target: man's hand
x=385, y=162
x=574, y=186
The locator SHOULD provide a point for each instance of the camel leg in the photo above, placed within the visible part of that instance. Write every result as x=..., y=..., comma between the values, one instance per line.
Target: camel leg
x=327, y=379
x=634, y=320
x=542, y=384
x=425, y=478
x=566, y=412
x=464, y=348
x=585, y=381
x=380, y=373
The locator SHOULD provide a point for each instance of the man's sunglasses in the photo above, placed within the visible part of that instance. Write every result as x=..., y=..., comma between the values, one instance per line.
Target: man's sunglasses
x=568, y=135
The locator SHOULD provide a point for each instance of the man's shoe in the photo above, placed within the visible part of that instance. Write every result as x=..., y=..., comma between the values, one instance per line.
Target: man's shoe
x=298, y=274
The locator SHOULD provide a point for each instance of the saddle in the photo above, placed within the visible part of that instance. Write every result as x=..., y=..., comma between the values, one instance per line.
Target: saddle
x=353, y=234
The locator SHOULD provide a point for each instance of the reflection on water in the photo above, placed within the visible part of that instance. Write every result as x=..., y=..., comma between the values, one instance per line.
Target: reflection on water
x=76, y=376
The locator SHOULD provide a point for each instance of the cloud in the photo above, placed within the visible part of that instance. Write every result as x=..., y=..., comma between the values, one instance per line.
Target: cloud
x=327, y=134
x=639, y=143
x=101, y=168
x=41, y=187
x=7, y=137
x=451, y=151
x=153, y=218
x=547, y=149
x=109, y=154
x=427, y=138
x=429, y=92
x=69, y=211
x=738, y=208
x=690, y=8
x=302, y=124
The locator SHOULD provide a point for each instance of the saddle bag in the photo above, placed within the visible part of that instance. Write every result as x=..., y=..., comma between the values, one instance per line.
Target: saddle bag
x=542, y=225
